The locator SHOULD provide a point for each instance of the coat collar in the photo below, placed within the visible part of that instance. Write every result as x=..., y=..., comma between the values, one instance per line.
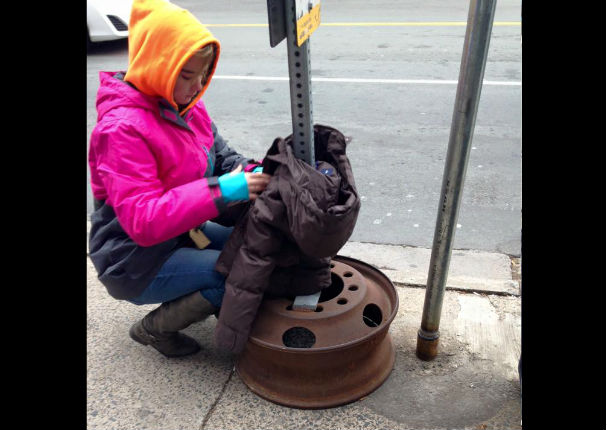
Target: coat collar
x=165, y=109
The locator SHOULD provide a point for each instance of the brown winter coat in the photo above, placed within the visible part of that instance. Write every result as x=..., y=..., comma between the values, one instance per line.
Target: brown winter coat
x=284, y=242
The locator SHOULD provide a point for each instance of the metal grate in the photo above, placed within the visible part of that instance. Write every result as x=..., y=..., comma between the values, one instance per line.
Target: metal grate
x=118, y=23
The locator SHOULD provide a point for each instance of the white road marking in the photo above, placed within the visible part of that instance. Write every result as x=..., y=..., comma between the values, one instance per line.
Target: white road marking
x=364, y=80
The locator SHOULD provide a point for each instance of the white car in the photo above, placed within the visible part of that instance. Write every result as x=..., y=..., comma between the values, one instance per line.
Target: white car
x=107, y=19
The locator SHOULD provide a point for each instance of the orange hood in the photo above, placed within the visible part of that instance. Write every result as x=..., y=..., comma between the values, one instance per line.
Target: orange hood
x=162, y=38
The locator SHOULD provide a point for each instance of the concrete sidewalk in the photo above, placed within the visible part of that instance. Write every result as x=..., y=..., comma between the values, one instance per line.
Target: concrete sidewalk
x=472, y=384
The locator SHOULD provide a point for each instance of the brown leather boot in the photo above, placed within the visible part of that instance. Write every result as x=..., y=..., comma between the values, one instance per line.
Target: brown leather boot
x=160, y=328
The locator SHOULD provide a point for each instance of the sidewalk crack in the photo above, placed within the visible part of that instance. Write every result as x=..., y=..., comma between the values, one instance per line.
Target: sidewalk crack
x=212, y=408
x=482, y=292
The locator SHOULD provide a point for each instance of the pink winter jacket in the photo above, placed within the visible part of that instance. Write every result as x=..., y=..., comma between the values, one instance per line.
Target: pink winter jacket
x=154, y=177
x=150, y=165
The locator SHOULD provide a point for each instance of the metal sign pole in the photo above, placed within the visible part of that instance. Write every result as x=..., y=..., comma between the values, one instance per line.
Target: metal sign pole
x=296, y=20
x=472, y=69
x=300, y=82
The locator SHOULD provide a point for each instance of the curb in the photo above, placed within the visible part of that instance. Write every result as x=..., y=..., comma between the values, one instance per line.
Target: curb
x=469, y=270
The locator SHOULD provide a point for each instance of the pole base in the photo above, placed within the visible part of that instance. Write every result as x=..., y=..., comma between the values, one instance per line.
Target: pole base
x=427, y=345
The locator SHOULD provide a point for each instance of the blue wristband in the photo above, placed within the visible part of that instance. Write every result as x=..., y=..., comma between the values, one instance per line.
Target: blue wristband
x=234, y=187
x=258, y=169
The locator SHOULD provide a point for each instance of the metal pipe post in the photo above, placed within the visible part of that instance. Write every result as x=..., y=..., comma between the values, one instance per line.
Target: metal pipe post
x=472, y=69
x=300, y=82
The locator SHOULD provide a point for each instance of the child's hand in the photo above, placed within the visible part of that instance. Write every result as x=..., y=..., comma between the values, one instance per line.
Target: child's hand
x=256, y=182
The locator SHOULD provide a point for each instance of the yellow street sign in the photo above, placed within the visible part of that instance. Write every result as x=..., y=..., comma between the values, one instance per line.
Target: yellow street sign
x=308, y=23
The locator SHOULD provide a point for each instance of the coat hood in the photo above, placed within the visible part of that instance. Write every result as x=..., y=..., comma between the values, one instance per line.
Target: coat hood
x=162, y=38
x=321, y=203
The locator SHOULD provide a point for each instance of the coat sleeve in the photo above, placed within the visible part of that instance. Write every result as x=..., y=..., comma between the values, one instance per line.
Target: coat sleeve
x=246, y=283
x=226, y=158
x=149, y=213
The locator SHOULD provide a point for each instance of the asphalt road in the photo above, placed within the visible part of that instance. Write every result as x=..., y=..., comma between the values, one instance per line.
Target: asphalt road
x=399, y=130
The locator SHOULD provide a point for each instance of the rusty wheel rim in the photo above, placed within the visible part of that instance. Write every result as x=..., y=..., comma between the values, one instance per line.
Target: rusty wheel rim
x=330, y=357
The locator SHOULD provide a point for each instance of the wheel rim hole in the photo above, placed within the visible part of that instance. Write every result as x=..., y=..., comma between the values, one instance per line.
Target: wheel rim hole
x=372, y=315
x=298, y=337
